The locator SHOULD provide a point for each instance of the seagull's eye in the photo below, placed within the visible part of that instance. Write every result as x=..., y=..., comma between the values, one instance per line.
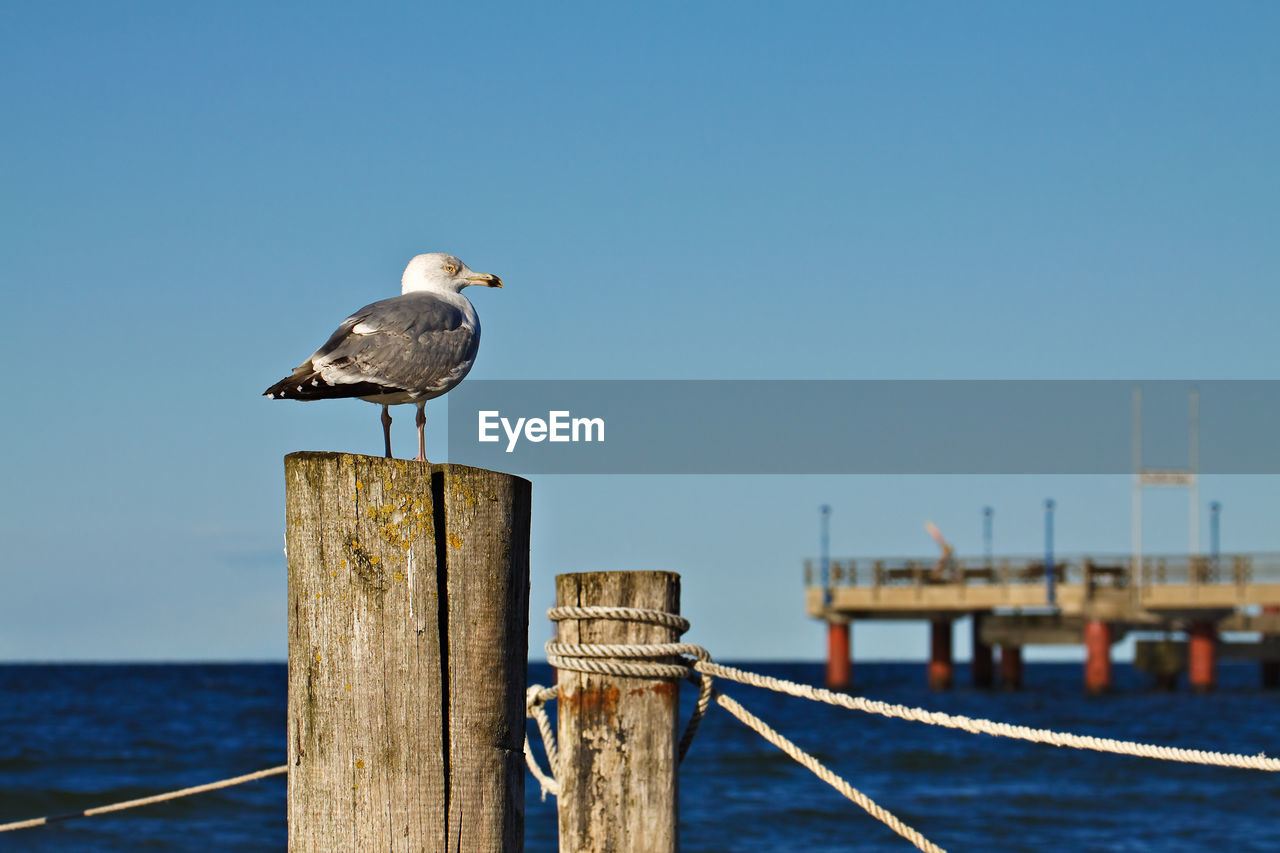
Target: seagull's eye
x=450, y=269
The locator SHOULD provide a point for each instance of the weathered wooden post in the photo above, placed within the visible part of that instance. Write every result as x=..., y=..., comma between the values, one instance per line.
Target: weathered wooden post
x=408, y=633
x=617, y=735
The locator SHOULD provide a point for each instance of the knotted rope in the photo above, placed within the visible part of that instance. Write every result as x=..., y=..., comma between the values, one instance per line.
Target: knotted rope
x=635, y=660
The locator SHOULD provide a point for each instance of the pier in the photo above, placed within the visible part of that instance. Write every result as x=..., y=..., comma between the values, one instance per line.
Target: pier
x=1090, y=601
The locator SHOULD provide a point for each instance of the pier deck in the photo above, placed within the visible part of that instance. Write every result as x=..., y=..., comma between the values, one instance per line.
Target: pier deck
x=1095, y=601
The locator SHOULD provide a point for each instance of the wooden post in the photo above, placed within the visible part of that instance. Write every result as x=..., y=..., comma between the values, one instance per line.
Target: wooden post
x=617, y=736
x=408, y=634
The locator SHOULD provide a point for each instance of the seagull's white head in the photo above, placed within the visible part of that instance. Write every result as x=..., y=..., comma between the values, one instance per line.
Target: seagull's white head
x=440, y=272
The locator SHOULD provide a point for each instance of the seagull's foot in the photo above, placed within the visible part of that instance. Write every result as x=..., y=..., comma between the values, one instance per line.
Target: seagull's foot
x=421, y=458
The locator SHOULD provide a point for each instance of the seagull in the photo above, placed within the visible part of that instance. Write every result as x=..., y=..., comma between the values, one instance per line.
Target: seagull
x=407, y=349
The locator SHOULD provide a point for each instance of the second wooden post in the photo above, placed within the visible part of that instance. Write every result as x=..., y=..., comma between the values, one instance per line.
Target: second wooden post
x=617, y=735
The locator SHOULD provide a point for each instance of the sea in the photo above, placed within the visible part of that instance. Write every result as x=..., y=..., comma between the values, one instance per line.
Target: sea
x=77, y=736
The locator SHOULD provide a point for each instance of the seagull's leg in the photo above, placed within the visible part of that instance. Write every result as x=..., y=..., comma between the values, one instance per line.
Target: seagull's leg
x=386, y=428
x=422, y=432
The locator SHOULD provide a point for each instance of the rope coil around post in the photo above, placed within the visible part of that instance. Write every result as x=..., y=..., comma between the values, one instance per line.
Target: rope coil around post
x=648, y=660
x=635, y=660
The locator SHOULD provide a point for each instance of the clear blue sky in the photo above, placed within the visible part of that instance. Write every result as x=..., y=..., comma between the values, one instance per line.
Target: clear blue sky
x=195, y=194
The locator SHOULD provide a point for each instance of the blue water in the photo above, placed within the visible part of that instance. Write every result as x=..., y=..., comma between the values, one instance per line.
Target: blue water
x=72, y=737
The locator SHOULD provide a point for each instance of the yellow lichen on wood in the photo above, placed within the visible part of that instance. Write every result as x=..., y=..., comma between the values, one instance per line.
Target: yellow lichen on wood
x=464, y=491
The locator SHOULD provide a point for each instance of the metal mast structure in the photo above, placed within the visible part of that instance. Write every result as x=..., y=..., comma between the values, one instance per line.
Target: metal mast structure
x=1185, y=478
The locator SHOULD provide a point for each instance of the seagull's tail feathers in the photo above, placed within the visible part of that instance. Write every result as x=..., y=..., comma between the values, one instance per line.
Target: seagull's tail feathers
x=305, y=383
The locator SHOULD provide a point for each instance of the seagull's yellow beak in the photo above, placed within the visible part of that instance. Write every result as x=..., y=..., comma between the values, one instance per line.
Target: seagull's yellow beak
x=485, y=279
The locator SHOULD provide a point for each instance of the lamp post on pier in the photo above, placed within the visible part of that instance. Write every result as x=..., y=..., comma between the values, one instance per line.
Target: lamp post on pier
x=1049, y=574
x=988, y=521
x=1215, y=512
x=824, y=551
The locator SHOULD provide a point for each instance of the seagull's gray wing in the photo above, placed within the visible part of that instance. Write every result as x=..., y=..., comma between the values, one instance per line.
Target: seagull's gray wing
x=416, y=344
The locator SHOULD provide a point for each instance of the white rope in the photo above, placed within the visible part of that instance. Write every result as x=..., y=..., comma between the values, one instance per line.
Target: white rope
x=536, y=698
x=822, y=772
x=146, y=801
x=620, y=614
x=990, y=727
x=582, y=657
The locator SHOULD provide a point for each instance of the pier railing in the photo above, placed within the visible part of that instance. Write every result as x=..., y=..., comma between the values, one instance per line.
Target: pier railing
x=1098, y=570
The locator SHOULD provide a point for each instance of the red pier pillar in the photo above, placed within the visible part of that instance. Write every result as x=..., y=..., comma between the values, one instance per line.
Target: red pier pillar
x=839, y=660
x=1097, y=656
x=982, y=666
x=1011, y=667
x=941, y=670
x=1202, y=653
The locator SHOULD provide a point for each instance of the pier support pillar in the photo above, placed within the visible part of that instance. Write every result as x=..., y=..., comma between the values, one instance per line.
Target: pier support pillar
x=839, y=660
x=1097, y=661
x=982, y=667
x=1011, y=667
x=1271, y=673
x=941, y=670
x=1270, y=668
x=1202, y=653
